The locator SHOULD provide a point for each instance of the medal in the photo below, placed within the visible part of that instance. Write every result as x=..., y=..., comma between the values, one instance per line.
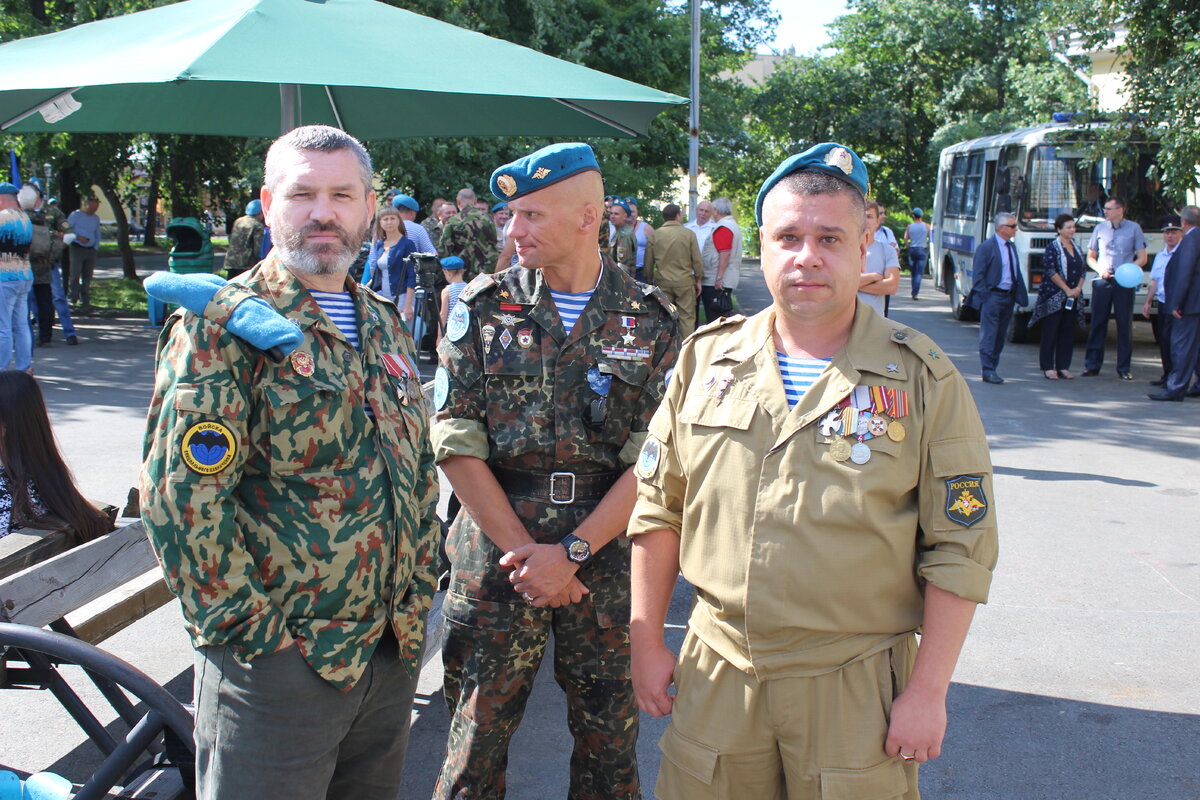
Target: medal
x=895, y=431
x=877, y=425
x=506, y=338
x=840, y=450
x=860, y=453
x=489, y=337
x=302, y=362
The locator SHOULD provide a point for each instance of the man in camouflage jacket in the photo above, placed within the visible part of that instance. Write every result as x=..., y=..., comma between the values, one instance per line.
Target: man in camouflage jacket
x=471, y=236
x=536, y=427
x=292, y=504
x=245, y=240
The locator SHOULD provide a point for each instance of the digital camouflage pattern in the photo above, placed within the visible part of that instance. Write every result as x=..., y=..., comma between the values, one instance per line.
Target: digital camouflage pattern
x=624, y=248
x=55, y=222
x=471, y=236
x=521, y=406
x=245, y=243
x=318, y=525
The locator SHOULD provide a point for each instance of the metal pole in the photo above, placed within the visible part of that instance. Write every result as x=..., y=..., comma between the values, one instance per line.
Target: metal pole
x=694, y=123
x=287, y=107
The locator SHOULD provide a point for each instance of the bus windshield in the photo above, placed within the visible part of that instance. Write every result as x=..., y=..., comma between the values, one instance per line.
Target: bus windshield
x=1062, y=180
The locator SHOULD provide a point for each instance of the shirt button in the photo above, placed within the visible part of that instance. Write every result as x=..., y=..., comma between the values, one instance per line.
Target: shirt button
x=347, y=356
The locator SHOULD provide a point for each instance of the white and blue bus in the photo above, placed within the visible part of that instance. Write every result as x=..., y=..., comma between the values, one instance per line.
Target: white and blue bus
x=1036, y=174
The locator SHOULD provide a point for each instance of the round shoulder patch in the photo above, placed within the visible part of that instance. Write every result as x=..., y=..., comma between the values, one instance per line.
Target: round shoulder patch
x=459, y=322
x=647, y=463
x=441, y=388
x=208, y=448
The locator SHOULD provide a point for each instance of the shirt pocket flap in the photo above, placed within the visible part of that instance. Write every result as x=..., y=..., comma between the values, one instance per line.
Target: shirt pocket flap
x=881, y=782
x=718, y=413
x=212, y=399
x=283, y=394
x=634, y=373
x=470, y=612
x=958, y=457
x=512, y=361
x=697, y=760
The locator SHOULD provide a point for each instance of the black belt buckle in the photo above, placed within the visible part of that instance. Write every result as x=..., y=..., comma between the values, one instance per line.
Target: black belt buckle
x=562, y=488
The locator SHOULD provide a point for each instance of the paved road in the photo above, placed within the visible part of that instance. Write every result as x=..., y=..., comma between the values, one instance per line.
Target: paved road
x=1079, y=678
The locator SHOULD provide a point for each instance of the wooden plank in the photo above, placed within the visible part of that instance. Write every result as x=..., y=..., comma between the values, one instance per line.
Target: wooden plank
x=25, y=547
x=44, y=592
x=121, y=607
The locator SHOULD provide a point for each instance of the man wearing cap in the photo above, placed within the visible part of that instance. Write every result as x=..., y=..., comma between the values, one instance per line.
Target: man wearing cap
x=550, y=372
x=500, y=217
x=49, y=228
x=408, y=208
x=292, y=503
x=245, y=240
x=1114, y=241
x=1182, y=303
x=916, y=239
x=861, y=514
x=470, y=235
x=677, y=267
x=16, y=281
x=1172, y=233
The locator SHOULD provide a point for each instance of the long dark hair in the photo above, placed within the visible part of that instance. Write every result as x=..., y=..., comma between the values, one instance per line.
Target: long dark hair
x=28, y=453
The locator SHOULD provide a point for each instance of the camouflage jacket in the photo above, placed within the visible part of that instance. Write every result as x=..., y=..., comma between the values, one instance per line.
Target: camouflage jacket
x=519, y=386
x=471, y=236
x=245, y=243
x=624, y=248
x=55, y=222
x=279, y=510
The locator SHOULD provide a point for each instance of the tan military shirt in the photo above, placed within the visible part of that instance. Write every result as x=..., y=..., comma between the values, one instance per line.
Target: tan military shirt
x=803, y=562
x=677, y=259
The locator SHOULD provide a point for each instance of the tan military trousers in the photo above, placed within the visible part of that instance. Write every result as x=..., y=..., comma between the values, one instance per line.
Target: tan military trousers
x=684, y=297
x=814, y=738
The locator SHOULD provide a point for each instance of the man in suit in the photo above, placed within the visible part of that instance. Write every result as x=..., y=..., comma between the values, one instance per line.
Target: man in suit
x=997, y=282
x=1183, y=303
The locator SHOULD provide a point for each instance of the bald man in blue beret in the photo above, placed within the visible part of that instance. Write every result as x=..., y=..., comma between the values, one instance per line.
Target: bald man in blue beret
x=550, y=372
x=820, y=475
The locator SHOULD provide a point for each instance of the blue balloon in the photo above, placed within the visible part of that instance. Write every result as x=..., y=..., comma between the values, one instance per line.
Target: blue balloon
x=1129, y=275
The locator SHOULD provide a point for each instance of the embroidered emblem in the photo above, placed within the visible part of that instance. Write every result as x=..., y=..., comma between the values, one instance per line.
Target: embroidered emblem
x=441, y=388
x=965, y=501
x=647, y=463
x=208, y=448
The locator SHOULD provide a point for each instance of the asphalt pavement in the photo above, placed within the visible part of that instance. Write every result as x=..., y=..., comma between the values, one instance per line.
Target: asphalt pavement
x=1079, y=678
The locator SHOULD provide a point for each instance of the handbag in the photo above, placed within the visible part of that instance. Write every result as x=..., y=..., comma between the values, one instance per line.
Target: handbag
x=724, y=302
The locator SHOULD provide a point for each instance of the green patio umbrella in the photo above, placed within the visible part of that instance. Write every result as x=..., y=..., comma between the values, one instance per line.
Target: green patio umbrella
x=256, y=67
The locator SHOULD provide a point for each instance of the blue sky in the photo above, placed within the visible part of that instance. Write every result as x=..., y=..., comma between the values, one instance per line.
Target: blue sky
x=802, y=23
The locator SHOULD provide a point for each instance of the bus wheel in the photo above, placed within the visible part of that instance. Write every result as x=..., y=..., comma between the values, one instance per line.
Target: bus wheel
x=1018, y=329
x=962, y=312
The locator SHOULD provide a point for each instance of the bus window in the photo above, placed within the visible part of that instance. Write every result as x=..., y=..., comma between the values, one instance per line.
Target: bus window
x=1145, y=203
x=966, y=175
x=1056, y=181
x=1010, y=182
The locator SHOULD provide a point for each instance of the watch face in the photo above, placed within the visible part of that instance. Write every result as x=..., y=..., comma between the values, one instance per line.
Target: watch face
x=578, y=550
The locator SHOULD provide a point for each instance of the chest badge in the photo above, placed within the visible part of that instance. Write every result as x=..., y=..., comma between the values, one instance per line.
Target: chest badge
x=459, y=322
x=302, y=362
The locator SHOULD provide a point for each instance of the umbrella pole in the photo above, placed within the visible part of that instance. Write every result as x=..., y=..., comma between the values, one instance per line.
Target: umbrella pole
x=288, y=98
x=694, y=126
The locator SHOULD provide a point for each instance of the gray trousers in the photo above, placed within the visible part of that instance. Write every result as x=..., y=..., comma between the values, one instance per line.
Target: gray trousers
x=273, y=728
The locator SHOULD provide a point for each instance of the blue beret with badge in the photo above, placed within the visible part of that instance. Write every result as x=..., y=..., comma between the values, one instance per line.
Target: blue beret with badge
x=624, y=205
x=829, y=157
x=499, y=207
x=8, y=188
x=404, y=201
x=543, y=168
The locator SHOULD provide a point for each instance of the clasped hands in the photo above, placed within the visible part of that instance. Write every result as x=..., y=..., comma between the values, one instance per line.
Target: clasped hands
x=543, y=575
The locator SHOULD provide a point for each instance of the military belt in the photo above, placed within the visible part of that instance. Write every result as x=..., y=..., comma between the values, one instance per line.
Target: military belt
x=559, y=488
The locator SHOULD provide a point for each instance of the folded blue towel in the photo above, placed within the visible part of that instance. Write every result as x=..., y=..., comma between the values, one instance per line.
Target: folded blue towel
x=253, y=321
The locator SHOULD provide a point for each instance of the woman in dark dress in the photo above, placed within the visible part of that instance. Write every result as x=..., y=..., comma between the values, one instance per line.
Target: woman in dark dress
x=1057, y=306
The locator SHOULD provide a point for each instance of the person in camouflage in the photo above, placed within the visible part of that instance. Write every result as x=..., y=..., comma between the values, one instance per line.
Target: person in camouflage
x=624, y=244
x=291, y=504
x=245, y=240
x=47, y=248
x=542, y=402
x=471, y=236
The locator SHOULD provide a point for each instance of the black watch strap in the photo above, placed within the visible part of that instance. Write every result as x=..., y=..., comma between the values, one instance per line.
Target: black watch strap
x=578, y=550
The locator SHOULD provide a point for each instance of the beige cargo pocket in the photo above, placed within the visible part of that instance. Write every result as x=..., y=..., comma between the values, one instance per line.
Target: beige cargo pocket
x=883, y=781
x=710, y=412
x=697, y=762
x=308, y=426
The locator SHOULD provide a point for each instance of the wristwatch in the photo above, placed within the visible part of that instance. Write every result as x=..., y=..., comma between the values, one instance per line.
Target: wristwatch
x=578, y=550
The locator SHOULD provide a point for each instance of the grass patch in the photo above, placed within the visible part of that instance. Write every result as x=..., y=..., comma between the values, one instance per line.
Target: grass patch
x=125, y=295
x=111, y=248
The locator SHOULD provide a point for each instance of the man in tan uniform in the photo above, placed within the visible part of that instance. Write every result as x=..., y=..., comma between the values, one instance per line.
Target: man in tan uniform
x=862, y=515
x=677, y=268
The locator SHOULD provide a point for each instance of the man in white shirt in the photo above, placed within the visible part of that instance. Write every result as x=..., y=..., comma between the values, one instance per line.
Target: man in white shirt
x=704, y=224
x=1172, y=235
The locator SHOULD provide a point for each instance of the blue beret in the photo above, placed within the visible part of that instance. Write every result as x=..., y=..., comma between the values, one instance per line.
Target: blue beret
x=619, y=202
x=543, y=168
x=829, y=157
x=631, y=201
x=499, y=207
x=917, y=212
x=253, y=207
x=405, y=201
x=7, y=188
x=37, y=184
x=453, y=262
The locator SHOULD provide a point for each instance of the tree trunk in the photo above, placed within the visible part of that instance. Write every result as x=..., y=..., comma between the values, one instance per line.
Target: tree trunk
x=128, y=267
x=148, y=239
x=68, y=192
x=181, y=175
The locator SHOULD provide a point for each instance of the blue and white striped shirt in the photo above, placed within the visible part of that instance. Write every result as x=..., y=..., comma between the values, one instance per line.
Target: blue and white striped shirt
x=419, y=237
x=339, y=307
x=799, y=374
x=570, y=306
